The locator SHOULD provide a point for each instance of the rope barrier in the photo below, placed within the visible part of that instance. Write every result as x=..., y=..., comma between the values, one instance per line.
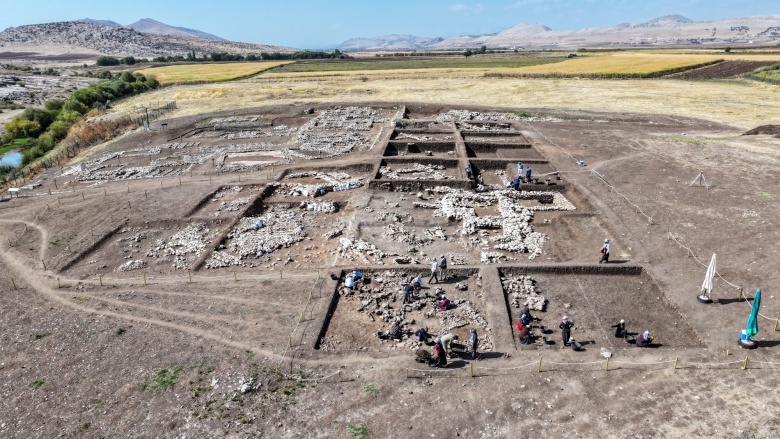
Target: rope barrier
x=506, y=368
x=643, y=364
x=570, y=364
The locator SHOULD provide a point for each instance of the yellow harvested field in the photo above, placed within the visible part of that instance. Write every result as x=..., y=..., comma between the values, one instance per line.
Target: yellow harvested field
x=622, y=63
x=739, y=103
x=208, y=72
x=396, y=73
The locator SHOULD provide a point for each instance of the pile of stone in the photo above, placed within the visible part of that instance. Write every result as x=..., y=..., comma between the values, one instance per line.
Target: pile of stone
x=220, y=259
x=184, y=246
x=335, y=232
x=348, y=118
x=331, y=181
x=417, y=171
x=320, y=206
x=233, y=119
x=382, y=300
x=327, y=145
x=279, y=228
x=398, y=233
x=421, y=137
x=464, y=115
x=131, y=265
x=502, y=127
x=362, y=250
x=522, y=292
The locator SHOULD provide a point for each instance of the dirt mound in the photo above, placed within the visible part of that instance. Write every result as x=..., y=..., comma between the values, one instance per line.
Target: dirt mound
x=764, y=129
x=728, y=69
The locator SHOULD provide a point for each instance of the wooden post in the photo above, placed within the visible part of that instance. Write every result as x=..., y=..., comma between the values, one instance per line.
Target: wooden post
x=144, y=278
x=741, y=295
x=540, y=365
x=44, y=264
x=101, y=280
x=689, y=252
x=179, y=181
x=105, y=193
x=280, y=274
x=82, y=196
x=145, y=194
x=235, y=276
x=303, y=316
x=58, y=283
x=13, y=282
x=471, y=367
x=190, y=274
x=745, y=364
x=407, y=371
x=606, y=367
x=777, y=320
x=289, y=342
x=676, y=359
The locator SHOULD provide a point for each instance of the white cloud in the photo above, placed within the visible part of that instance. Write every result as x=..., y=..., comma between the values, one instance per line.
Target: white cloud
x=468, y=9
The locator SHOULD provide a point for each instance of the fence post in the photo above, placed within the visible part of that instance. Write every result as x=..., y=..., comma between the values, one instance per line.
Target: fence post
x=58, y=283
x=606, y=367
x=777, y=320
x=741, y=295
x=540, y=365
x=471, y=369
x=676, y=359
x=44, y=264
x=144, y=278
x=13, y=282
x=101, y=280
x=190, y=274
x=745, y=364
x=235, y=276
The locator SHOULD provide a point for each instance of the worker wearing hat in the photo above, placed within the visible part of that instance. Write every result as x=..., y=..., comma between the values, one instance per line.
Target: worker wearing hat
x=566, y=326
x=605, y=252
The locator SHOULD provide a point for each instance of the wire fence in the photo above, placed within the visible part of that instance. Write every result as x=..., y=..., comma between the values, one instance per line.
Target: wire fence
x=474, y=371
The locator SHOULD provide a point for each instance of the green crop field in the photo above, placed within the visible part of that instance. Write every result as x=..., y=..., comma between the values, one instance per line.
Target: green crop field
x=415, y=64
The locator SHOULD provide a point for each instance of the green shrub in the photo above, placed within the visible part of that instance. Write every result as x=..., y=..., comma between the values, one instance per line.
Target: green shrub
x=107, y=61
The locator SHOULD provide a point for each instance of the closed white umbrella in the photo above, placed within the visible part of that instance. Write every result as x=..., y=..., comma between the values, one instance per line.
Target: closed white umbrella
x=706, y=286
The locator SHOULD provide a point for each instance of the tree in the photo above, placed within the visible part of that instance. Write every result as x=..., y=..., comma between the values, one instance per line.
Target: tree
x=129, y=60
x=19, y=127
x=468, y=53
x=127, y=77
x=727, y=49
x=483, y=49
x=54, y=104
x=107, y=61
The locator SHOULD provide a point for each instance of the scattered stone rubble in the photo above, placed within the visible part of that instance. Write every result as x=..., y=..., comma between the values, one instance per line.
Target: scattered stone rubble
x=382, y=297
x=417, y=171
x=184, y=246
x=466, y=115
x=132, y=265
x=522, y=292
x=331, y=182
x=362, y=249
x=514, y=218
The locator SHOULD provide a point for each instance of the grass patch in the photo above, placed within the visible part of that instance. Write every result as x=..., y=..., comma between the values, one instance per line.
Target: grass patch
x=184, y=73
x=41, y=335
x=411, y=64
x=85, y=426
x=120, y=331
x=688, y=140
x=372, y=389
x=765, y=194
x=165, y=379
x=358, y=431
x=81, y=300
x=36, y=384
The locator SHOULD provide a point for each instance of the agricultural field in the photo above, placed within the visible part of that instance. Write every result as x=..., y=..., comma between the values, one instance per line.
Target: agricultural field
x=417, y=64
x=203, y=72
x=626, y=64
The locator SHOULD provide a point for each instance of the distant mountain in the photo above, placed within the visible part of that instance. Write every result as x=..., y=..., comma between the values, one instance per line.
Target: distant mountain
x=149, y=26
x=103, y=22
x=70, y=36
x=666, y=31
x=389, y=42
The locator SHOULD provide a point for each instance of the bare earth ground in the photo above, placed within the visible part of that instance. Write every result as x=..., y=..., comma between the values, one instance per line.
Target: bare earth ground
x=90, y=356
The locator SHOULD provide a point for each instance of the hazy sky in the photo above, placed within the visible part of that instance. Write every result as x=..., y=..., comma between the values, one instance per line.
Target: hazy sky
x=321, y=24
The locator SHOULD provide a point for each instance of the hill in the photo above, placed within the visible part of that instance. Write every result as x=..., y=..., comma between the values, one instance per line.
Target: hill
x=149, y=26
x=666, y=31
x=116, y=41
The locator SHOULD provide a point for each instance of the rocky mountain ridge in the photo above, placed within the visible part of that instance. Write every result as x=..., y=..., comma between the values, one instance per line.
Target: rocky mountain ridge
x=150, y=26
x=119, y=41
x=666, y=31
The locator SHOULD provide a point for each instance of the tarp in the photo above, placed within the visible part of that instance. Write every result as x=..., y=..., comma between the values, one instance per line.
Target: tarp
x=706, y=286
x=752, y=323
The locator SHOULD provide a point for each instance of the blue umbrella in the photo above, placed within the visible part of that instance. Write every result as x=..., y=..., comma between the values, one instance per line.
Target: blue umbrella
x=752, y=323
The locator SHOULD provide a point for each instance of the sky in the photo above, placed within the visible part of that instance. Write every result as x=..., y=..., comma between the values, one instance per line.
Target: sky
x=313, y=24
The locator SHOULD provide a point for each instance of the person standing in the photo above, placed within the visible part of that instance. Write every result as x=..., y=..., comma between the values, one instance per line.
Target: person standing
x=605, y=252
x=566, y=326
x=473, y=343
x=443, y=268
x=407, y=293
x=434, y=270
x=528, y=172
x=519, y=169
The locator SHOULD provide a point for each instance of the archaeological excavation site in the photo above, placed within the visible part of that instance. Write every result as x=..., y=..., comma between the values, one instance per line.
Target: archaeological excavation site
x=295, y=236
